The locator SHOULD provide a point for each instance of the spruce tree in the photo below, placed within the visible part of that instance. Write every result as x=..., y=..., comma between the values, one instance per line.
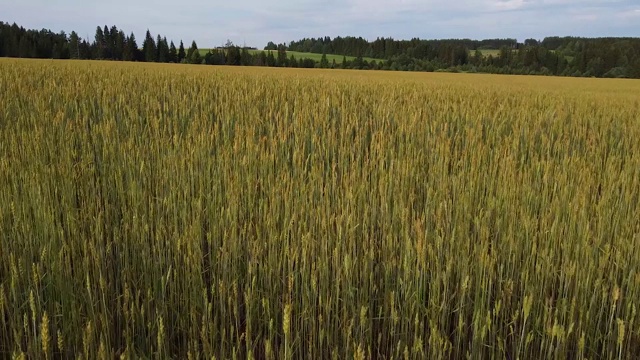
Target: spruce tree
x=112, y=45
x=293, y=62
x=106, y=43
x=162, y=50
x=131, y=52
x=194, y=54
x=324, y=63
x=149, y=48
x=118, y=51
x=181, y=53
x=173, y=53
x=98, y=44
x=74, y=45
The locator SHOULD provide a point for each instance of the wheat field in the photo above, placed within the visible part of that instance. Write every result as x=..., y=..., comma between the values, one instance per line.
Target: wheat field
x=173, y=211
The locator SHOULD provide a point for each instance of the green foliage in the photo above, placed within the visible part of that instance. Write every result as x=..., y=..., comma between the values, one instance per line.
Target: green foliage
x=163, y=50
x=181, y=52
x=149, y=48
x=282, y=56
x=131, y=51
x=593, y=57
x=324, y=63
x=74, y=45
x=193, y=54
x=99, y=41
x=233, y=56
x=173, y=53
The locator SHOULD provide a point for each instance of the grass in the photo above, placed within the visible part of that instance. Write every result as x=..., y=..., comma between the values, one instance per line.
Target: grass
x=312, y=56
x=496, y=53
x=330, y=57
x=339, y=58
x=487, y=52
x=176, y=211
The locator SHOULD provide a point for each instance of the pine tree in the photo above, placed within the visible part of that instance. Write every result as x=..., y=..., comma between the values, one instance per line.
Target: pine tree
x=56, y=52
x=98, y=44
x=194, y=54
x=74, y=45
x=324, y=63
x=181, y=53
x=24, y=48
x=162, y=51
x=477, y=58
x=106, y=43
x=233, y=55
x=113, y=43
x=165, y=50
x=173, y=53
x=131, y=52
x=271, y=60
x=282, y=56
x=261, y=59
x=245, y=58
x=118, y=51
x=149, y=48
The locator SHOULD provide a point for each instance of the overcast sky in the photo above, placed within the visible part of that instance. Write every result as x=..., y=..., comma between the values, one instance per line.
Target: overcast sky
x=255, y=22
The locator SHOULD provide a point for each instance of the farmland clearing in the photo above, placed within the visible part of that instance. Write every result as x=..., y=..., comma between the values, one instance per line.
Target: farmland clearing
x=304, y=55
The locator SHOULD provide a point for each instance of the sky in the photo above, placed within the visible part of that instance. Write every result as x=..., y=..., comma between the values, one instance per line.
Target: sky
x=255, y=22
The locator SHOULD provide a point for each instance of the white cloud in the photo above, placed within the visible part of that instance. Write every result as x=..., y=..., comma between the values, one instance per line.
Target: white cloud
x=586, y=17
x=632, y=13
x=257, y=21
x=509, y=4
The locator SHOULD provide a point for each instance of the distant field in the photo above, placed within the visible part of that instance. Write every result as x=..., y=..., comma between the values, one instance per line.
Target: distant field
x=303, y=55
x=487, y=52
x=338, y=58
x=330, y=57
x=496, y=52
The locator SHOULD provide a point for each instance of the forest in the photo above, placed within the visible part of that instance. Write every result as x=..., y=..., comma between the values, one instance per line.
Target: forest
x=560, y=56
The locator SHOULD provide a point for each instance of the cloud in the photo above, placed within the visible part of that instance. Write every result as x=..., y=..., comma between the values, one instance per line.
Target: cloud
x=586, y=17
x=630, y=14
x=255, y=22
x=509, y=4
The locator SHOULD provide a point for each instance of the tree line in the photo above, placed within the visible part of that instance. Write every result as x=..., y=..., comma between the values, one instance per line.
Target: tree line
x=565, y=56
x=386, y=48
x=111, y=43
